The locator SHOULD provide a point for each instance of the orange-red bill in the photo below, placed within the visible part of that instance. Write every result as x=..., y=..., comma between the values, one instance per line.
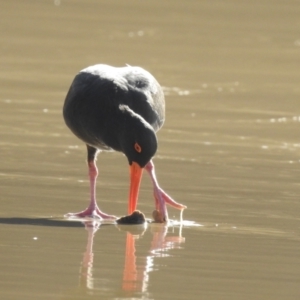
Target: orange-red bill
x=135, y=180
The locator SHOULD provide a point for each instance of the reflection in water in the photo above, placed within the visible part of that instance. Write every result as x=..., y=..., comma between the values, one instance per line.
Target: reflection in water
x=136, y=267
x=86, y=272
x=132, y=276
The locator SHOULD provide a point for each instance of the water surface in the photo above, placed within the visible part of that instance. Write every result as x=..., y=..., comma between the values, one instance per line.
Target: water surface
x=229, y=150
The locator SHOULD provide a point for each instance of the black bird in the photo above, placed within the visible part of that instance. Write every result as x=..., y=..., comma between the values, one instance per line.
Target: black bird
x=118, y=109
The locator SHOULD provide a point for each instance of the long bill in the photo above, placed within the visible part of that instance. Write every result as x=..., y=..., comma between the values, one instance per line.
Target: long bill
x=135, y=180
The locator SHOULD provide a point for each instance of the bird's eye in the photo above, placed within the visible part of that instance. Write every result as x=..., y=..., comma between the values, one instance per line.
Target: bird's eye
x=137, y=148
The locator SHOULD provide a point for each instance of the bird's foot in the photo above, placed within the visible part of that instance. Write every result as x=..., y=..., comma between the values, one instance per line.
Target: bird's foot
x=160, y=214
x=91, y=212
x=157, y=217
x=169, y=200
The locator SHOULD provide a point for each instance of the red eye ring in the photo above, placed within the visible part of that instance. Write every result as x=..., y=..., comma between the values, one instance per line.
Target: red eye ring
x=137, y=148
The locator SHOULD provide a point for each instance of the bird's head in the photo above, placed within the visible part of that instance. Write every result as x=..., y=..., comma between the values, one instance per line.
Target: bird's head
x=138, y=140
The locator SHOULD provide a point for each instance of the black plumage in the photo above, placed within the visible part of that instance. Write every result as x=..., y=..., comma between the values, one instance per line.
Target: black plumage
x=117, y=109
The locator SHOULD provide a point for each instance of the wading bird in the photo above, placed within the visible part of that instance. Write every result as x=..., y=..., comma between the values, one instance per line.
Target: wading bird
x=118, y=109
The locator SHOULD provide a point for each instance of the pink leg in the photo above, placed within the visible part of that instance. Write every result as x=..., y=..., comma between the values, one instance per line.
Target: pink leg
x=161, y=197
x=92, y=210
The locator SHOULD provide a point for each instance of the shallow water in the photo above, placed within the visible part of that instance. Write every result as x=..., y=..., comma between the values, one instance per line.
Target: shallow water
x=229, y=150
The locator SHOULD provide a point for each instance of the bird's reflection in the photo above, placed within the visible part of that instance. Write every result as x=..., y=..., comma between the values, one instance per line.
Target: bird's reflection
x=136, y=266
x=136, y=277
x=86, y=278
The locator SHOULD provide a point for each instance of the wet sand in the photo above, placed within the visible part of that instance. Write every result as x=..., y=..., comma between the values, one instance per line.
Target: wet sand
x=229, y=150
